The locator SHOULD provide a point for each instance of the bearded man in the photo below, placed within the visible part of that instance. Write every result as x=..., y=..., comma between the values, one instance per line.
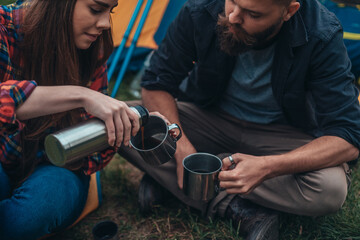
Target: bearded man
x=267, y=85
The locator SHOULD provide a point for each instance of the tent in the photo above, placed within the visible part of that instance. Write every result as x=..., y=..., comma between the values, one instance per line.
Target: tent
x=138, y=28
x=349, y=17
x=161, y=14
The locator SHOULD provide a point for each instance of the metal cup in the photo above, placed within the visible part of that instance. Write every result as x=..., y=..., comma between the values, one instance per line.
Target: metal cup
x=201, y=176
x=154, y=143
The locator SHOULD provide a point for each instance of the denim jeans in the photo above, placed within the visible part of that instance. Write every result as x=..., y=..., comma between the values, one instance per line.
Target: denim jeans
x=49, y=200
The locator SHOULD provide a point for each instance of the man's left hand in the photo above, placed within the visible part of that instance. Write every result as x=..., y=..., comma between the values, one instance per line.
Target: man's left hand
x=248, y=173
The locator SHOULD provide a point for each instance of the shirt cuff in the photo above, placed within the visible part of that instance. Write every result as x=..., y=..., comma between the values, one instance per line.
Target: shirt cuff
x=12, y=94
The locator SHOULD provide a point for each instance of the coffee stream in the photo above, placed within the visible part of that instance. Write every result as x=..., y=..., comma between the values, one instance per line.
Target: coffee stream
x=142, y=138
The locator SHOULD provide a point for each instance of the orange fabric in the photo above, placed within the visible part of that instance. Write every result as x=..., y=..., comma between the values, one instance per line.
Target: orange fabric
x=92, y=201
x=122, y=15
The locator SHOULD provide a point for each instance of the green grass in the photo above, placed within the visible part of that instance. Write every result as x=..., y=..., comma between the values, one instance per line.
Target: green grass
x=5, y=2
x=175, y=220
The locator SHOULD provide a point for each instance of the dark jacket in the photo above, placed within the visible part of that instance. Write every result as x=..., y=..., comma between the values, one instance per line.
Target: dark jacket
x=311, y=76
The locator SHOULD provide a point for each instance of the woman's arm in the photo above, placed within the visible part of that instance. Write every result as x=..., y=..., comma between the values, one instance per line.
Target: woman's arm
x=119, y=119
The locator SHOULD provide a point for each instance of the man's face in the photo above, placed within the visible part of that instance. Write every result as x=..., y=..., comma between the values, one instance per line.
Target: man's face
x=90, y=19
x=246, y=24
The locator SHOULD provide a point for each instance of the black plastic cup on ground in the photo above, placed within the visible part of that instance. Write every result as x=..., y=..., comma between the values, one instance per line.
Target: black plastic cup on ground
x=105, y=230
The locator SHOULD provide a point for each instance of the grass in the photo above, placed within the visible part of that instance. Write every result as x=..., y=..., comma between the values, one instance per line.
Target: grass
x=5, y=2
x=174, y=220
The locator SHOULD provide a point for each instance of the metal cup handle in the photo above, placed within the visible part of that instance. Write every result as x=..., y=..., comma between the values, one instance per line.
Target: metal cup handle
x=173, y=126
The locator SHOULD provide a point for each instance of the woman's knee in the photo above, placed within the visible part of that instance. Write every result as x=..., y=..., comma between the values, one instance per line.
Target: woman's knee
x=50, y=199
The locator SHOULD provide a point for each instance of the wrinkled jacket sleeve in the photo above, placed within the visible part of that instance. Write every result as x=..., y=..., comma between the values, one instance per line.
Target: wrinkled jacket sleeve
x=332, y=86
x=171, y=63
x=98, y=160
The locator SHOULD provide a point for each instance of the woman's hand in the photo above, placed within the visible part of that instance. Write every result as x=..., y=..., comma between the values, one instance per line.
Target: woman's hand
x=121, y=122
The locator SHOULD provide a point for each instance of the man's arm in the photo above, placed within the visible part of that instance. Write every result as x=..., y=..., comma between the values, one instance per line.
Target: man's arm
x=169, y=66
x=250, y=171
x=164, y=103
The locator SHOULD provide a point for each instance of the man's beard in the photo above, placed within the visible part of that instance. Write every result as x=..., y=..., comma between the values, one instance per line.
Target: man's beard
x=237, y=40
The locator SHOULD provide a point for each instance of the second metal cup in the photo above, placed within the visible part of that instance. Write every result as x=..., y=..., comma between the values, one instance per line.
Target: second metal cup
x=201, y=176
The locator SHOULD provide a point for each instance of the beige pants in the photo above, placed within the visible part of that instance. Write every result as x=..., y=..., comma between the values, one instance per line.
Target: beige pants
x=311, y=193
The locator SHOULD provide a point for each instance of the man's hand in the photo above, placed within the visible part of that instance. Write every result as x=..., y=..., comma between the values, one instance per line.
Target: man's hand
x=184, y=149
x=249, y=172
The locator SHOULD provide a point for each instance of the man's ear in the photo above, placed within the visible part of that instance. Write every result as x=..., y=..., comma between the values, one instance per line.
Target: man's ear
x=291, y=10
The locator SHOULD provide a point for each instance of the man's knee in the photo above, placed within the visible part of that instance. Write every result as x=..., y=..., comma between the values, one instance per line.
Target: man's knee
x=328, y=192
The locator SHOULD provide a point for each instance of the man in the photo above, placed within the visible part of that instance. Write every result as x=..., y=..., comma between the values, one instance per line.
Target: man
x=266, y=83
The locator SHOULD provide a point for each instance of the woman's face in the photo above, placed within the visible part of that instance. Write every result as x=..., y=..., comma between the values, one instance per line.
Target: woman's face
x=91, y=18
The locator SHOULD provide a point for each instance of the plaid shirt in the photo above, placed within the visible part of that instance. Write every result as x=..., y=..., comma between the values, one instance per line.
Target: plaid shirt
x=14, y=92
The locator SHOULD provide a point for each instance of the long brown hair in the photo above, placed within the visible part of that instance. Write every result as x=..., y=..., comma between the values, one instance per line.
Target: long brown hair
x=51, y=58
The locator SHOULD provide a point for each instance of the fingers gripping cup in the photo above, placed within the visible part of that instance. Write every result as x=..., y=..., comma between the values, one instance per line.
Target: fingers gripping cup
x=153, y=141
x=201, y=176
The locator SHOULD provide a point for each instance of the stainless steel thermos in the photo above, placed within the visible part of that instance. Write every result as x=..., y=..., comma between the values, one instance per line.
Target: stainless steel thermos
x=68, y=145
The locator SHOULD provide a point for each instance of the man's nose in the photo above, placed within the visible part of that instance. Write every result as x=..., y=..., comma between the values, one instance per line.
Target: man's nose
x=235, y=17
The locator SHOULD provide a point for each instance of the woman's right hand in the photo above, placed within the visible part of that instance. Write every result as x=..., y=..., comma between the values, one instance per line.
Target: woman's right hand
x=121, y=122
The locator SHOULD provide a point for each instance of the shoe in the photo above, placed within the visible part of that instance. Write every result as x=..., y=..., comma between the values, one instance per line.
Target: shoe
x=256, y=222
x=150, y=194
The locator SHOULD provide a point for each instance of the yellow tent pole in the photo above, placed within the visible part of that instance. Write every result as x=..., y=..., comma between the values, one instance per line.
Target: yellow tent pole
x=351, y=36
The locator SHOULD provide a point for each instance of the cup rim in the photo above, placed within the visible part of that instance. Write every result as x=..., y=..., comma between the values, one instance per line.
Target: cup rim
x=151, y=149
x=105, y=222
x=202, y=153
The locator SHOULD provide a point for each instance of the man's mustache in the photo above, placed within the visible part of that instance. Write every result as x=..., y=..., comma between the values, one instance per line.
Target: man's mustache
x=235, y=30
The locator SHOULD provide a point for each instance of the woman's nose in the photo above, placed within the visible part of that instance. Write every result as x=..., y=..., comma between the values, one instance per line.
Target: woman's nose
x=104, y=22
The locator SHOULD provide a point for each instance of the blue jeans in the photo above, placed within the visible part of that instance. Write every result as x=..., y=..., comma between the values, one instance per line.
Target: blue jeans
x=49, y=200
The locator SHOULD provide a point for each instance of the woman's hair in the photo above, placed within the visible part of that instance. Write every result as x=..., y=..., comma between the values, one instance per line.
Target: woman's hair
x=51, y=58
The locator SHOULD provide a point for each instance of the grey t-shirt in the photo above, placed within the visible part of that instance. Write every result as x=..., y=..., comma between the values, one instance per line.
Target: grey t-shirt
x=249, y=95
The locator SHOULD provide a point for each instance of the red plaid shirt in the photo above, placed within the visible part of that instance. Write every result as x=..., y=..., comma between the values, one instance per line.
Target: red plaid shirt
x=14, y=92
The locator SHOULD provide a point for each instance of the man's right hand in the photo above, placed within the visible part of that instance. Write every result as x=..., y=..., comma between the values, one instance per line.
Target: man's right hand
x=184, y=148
x=164, y=102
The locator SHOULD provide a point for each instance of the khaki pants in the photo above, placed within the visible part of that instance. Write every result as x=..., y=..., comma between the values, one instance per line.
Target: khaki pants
x=311, y=193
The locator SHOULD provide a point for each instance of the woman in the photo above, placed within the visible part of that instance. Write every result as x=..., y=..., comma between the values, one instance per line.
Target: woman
x=53, y=74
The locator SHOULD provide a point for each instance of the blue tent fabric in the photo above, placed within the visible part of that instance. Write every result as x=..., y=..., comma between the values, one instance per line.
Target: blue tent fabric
x=140, y=53
x=137, y=59
x=171, y=12
x=349, y=17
